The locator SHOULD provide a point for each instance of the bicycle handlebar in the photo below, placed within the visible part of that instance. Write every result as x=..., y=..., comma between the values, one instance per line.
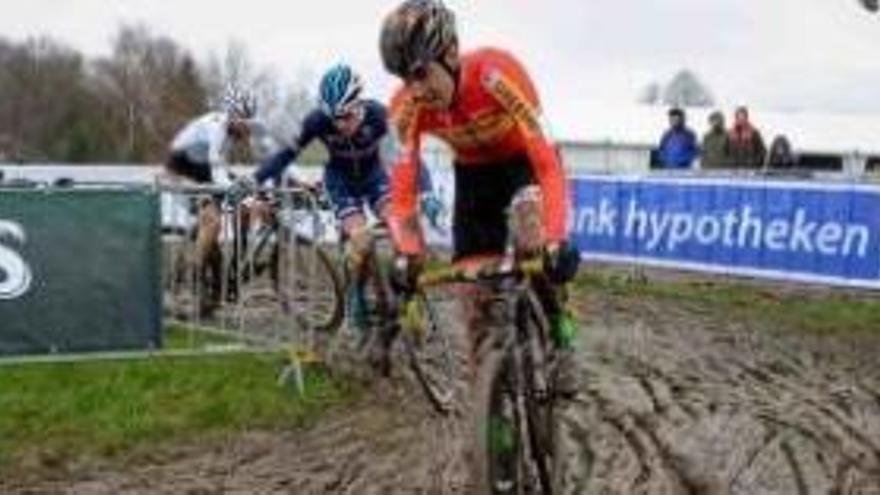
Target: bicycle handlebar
x=455, y=274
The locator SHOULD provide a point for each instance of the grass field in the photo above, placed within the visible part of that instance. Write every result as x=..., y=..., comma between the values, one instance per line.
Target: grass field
x=61, y=413
x=181, y=338
x=818, y=311
x=57, y=413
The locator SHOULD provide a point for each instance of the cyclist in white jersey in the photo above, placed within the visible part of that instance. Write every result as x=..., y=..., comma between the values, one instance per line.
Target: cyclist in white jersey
x=198, y=153
x=199, y=150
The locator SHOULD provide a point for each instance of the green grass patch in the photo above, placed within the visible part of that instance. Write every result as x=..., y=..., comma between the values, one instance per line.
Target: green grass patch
x=178, y=337
x=55, y=413
x=790, y=309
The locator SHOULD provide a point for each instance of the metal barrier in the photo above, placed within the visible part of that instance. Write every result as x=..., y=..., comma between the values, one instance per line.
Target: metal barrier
x=274, y=280
x=271, y=278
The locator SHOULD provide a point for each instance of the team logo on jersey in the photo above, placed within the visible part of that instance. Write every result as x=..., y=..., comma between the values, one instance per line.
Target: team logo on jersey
x=514, y=101
x=482, y=130
x=15, y=274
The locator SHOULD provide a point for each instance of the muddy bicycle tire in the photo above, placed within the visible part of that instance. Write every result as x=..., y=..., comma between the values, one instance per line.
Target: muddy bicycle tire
x=329, y=319
x=432, y=360
x=504, y=371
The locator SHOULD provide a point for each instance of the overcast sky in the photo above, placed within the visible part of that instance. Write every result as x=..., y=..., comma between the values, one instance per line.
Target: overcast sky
x=814, y=55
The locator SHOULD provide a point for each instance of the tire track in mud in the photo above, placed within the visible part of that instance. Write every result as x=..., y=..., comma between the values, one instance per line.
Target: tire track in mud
x=728, y=408
x=796, y=472
x=391, y=444
x=390, y=441
x=674, y=401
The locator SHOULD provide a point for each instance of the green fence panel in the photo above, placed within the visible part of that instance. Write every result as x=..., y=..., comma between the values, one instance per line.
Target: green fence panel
x=79, y=271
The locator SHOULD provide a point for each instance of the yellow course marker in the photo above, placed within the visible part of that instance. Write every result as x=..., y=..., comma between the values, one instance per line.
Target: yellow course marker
x=303, y=355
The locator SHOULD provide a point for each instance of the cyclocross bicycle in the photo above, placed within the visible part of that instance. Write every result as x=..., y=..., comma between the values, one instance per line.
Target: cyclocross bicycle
x=512, y=391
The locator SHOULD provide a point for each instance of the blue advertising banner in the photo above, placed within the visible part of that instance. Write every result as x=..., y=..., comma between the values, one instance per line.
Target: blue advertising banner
x=801, y=231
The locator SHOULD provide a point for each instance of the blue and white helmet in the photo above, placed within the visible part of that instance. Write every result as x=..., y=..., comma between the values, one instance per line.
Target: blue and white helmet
x=340, y=90
x=239, y=103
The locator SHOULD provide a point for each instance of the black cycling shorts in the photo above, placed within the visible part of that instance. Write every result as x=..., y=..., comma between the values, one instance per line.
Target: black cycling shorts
x=482, y=195
x=180, y=164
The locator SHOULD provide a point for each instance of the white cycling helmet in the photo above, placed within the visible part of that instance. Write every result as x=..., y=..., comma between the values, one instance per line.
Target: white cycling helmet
x=239, y=103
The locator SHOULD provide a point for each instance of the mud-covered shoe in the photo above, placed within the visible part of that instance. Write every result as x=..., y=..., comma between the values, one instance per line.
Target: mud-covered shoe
x=567, y=378
x=379, y=357
x=502, y=449
x=379, y=352
x=565, y=329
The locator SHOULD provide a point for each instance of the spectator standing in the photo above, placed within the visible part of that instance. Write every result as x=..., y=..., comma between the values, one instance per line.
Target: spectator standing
x=678, y=146
x=781, y=157
x=716, y=144
x=747, y=148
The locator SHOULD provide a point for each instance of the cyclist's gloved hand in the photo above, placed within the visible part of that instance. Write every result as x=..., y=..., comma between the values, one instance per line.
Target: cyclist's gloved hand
x=561, y=262
x=242, y=186
x=405, y=273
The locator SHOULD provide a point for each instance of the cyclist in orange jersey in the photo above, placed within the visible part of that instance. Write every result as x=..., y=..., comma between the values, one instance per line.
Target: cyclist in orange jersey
x=484, y=105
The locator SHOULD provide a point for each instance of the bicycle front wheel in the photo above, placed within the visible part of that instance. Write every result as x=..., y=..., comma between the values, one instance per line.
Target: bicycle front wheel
x=309, y=286
x=431, y=356
x=513, y=423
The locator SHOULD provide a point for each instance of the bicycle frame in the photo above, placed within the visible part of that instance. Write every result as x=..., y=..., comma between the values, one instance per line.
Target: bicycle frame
x=290, y=210
x=280, y=222
x=515, y=360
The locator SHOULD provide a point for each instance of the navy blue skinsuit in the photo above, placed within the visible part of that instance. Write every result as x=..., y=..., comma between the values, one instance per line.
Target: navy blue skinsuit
x=354, y=172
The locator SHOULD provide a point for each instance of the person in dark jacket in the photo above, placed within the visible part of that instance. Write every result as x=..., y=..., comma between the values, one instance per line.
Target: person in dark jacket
x=747, y=150
x=716, y=144
x=678, y=146
x=781, y=156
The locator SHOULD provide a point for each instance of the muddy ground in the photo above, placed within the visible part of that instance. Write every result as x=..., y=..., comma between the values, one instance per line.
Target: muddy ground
x=677, y=399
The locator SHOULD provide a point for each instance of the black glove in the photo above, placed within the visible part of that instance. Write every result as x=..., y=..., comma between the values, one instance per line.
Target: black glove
x=241, y=187
x=561, y=263
x=405, y=274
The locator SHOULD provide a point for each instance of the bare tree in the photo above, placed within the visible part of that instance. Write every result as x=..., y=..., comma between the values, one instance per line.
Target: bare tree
x=55, y=104
x=153, y=86
x=296, y=100
x=47, y=111
x=235, y=67
x=281, y=103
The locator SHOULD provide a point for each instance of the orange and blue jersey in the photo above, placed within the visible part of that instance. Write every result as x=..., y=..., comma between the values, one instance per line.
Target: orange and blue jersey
x=494, y=119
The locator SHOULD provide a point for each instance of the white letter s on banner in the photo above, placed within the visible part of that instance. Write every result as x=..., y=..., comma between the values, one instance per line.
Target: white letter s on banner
x=15, y=275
